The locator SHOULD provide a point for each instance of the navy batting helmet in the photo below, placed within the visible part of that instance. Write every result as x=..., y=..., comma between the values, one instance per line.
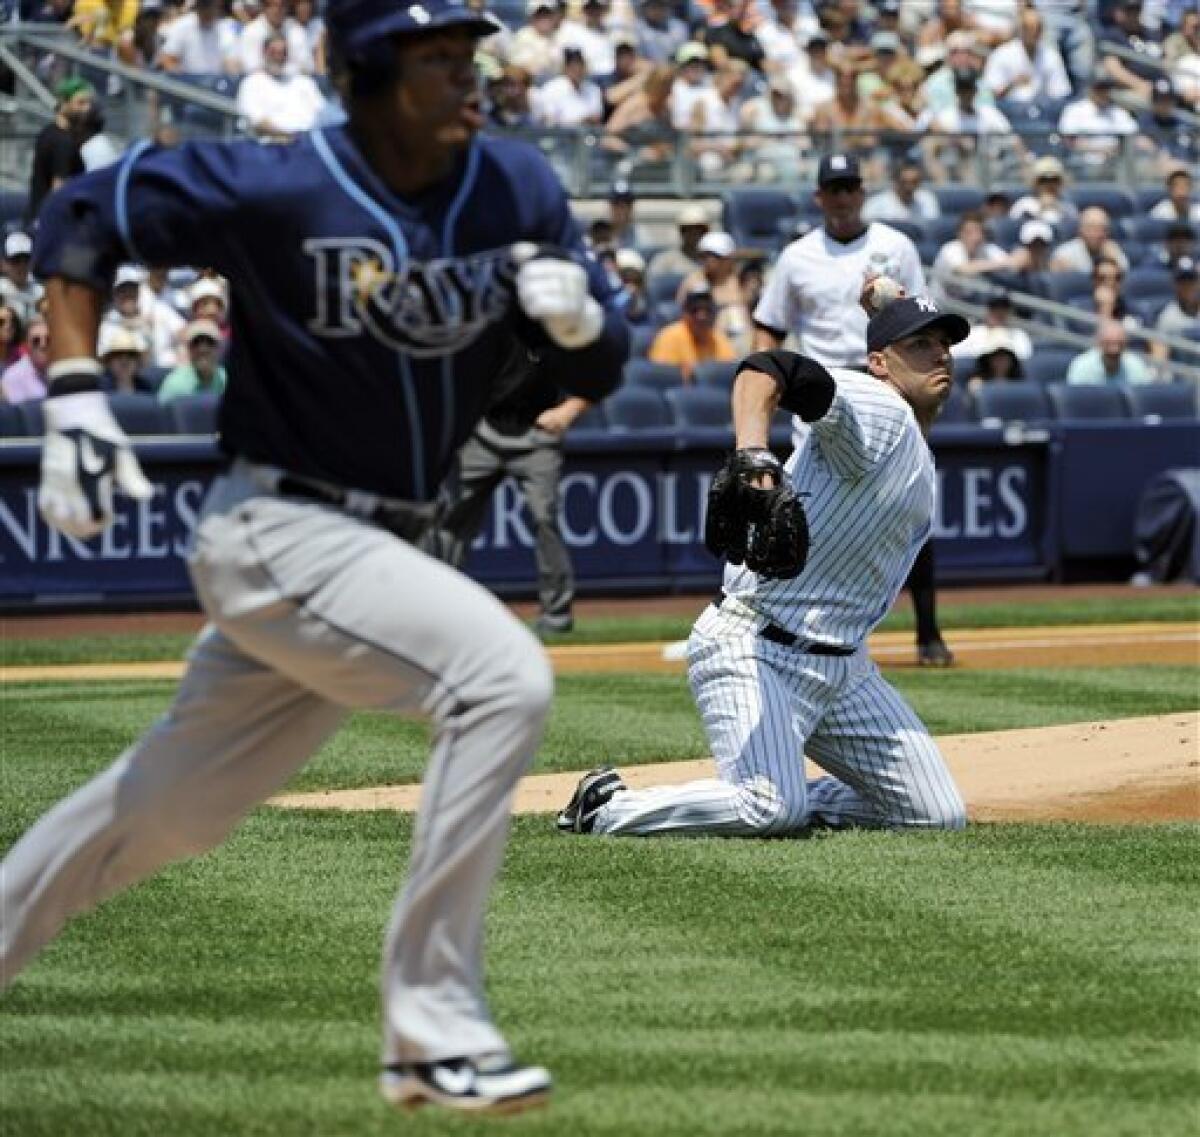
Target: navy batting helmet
x=354, y=25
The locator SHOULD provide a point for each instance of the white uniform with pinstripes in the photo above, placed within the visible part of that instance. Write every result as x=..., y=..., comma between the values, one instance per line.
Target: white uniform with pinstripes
x=867, y=479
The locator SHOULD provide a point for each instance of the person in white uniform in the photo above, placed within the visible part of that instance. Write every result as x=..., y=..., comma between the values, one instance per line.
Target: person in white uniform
x=813, y=295
x=779, y=667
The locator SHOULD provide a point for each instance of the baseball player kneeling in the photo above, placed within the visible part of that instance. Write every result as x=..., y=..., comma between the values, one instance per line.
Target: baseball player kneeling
x=816, y=552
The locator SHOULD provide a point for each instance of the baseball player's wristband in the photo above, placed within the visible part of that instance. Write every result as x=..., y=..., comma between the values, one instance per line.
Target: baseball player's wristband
x=807, y=388
x=71, y=376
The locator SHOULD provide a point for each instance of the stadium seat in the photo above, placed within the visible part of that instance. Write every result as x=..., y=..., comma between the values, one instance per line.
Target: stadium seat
x=699, y=406
x=958, y=407
x=717, y=374
x=1086, y=401
x=644, y=373
x=1049, y=364
x=153, y=377
x=640, y=339
x=1148, y=230
x=1005, y=231
x=913, y=230
x=12, y=423
x=956, y=200
x=964, y=368
x=752, y=215
x=1060, y=286
x=1012, y=402
x=1161, y=400
x=661, y=290
x=31, y=416
x=12, y=208
x=1117, y=200
x=594, y=418
x=637, y=408
x=1144, y=282
x=944, y=228
x=194, y=414
x=1147, y=197
x=140, y=414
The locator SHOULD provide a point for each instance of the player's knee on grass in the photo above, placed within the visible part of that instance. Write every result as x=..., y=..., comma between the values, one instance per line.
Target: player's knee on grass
x=768, y=810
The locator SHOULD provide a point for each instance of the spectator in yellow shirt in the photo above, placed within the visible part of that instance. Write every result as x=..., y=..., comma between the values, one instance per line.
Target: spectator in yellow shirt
x=694, y=338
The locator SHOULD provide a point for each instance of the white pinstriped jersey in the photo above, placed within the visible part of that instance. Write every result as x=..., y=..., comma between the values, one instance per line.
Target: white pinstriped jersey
x=813, y=290
x=866, y=476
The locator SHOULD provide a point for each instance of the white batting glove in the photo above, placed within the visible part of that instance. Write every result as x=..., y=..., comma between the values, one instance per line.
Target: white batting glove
x=555, y=292
x=85, y=455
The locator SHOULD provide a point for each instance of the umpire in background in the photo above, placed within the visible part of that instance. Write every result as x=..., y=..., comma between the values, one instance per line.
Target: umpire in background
x=520, y=435
x=813, y=294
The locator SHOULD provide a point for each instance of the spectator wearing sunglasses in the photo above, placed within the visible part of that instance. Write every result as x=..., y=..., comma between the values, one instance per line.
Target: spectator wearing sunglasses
x=25, y=380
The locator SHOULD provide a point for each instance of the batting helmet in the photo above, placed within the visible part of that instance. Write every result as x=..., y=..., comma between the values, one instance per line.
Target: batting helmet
x=355, y=25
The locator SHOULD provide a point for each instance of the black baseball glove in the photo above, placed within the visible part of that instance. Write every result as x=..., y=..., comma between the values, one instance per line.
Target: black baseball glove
x=764, y=527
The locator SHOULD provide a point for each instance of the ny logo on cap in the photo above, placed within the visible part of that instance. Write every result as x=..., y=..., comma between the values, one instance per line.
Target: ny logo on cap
x=925, y=304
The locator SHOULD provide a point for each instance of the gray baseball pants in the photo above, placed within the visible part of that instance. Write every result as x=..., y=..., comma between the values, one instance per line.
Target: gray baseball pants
x=314, y=612
x=535, y=460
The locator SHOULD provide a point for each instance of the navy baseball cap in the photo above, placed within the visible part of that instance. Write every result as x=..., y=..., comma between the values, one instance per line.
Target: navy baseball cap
x=356, y=24
x=909, y=315
x=838, y=168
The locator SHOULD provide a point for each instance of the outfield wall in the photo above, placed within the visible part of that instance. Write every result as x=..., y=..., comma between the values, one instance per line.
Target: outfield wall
x=1014, y=505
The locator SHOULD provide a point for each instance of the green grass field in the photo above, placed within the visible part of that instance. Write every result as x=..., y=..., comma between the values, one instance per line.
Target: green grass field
x=1039, y=981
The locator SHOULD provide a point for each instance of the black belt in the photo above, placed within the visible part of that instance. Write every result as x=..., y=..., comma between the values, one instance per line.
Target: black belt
x=779, y=635
x=410, y=520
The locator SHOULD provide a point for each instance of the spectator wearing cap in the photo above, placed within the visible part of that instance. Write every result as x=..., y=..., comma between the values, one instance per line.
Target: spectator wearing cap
x=201, y=42
x=906, y=200
x=967, y=127
x=1035, y=242
x=56, y=151
x=996, y=330
x=1027, y=68
x=1178, y=241
x=1045, y=201
x=773, y=126
x=963, y=53
x=1178, y=204
x=590, y=35
x=1093, y=242
x=277, y=102
x=729, y=28
x=969, y=254
x=660, y=35
x=1164, y=130
x=535, y=45
x=136, y=308
x=998, y=359
x=1140, y=56
x=693, y=338
x=629, y=72
x=121, y=353
x=273, y=20
x=692, y=223
x=25, y=380
x=631, y=295
x=1093, y=125
x=18, y=287
x=1181, y=316
x=887, y=50
x=1110, y=360
x=717, y=273
x=693, y=85
x=627, y=232
x=570, y=99
x=202, y=372
x=209, y=300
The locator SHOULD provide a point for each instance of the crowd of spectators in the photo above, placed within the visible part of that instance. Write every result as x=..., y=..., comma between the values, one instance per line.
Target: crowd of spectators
x=753, y=87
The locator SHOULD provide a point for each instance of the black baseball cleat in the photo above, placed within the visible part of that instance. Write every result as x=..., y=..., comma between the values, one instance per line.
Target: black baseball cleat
x=593, y=793
x=474, y=1085
x=935, y=653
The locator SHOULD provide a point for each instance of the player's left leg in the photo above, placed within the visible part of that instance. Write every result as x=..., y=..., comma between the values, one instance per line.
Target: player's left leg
x=538, y=473
x=887, y=769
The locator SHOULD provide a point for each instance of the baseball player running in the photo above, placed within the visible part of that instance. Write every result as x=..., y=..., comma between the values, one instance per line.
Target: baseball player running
x=778, y=663
x=376, y=288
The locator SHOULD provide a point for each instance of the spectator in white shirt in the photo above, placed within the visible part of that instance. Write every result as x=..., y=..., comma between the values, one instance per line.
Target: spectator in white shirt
x=969, y=254
x=304, y=12
x=774, y=114
x=995, y=330
x=1178, y=204
x=18, y=288
x=201, y=42
x=569, y=99
x=1046, y=201
x=136, y=308
x=1092, y=126
x=277, y=104
x=907, y=200
x=535, y=47
x=1093, y=243
x=782, y=34
x=660, y=35
x=1028, y=67
x=693, y=85
x=591, y=36
x=274, y=21
x=813, y=78
x=971, y=124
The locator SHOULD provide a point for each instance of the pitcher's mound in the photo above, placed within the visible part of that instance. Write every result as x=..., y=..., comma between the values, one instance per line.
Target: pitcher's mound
x=1144, y=769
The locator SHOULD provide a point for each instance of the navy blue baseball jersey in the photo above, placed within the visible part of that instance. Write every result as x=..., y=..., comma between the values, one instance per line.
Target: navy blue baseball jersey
x=368, y=328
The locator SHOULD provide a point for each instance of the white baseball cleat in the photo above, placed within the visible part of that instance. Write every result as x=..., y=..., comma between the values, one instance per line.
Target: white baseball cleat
x=475, y=1085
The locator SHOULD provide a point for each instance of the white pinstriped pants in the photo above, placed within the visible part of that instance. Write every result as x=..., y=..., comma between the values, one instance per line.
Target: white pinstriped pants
x=764, y=705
